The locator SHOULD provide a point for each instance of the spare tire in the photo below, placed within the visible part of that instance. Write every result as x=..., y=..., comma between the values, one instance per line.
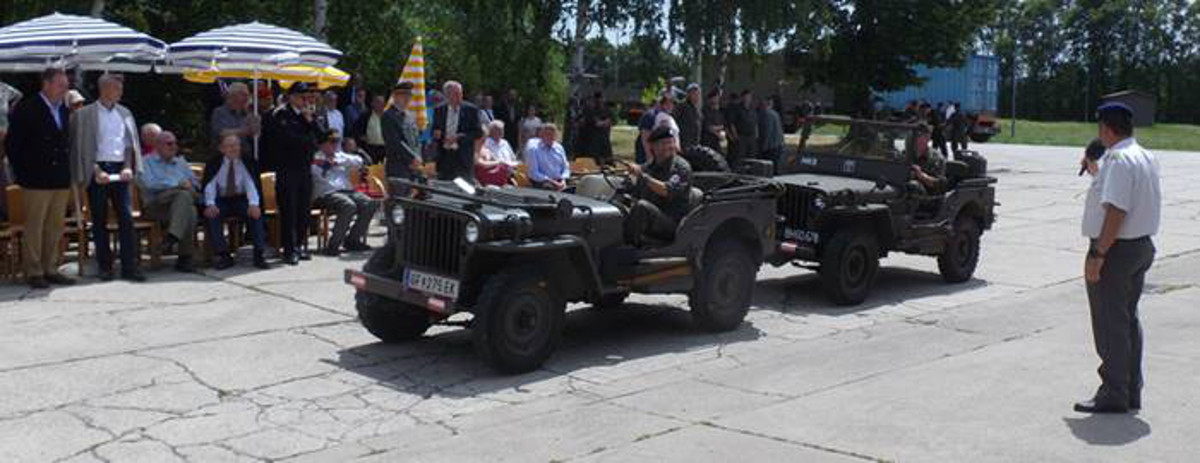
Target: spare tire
x=705, y=159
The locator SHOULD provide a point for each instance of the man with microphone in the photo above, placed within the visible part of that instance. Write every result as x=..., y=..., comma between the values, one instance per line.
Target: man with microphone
x=1120, y=217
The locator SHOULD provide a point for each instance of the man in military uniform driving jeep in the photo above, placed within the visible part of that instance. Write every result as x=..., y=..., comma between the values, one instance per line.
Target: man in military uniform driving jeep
x=662, y=191
x=929, y=167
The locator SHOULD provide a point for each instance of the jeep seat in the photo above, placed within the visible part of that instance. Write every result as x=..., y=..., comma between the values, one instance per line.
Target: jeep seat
x=595, y=187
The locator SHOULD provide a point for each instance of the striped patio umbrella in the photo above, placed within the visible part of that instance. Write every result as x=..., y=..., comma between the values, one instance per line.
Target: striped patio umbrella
x=253, y=46
x=414, y=71
x=69, y=40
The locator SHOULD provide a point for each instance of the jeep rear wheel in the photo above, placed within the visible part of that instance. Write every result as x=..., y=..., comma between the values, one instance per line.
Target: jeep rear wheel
x=704, y=159
x=389, y=320
x=518, y=320
x=849, y=267
x=957, y=263
x=723, y=290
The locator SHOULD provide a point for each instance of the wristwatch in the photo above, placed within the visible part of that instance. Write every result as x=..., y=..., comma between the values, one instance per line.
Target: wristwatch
x=1094, y=253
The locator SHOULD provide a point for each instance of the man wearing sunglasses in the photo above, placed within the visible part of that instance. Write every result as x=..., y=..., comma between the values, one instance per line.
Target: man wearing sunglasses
x=169, y=192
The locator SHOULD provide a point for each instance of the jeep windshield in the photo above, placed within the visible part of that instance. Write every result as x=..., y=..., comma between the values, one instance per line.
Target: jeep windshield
x=881, y=141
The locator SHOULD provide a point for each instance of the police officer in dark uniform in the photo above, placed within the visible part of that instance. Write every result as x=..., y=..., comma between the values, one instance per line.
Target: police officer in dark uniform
x=291, y=139
x=663, y=190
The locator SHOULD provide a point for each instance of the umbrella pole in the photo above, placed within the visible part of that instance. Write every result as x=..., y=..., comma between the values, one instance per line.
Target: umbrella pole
x=77, y=207
x=255, y=98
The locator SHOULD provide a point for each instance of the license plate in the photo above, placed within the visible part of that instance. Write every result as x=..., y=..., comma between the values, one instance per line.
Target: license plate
x=431, y=284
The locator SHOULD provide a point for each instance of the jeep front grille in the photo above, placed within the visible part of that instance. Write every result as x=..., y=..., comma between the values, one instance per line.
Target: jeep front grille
x=794, y=207
x=433, y=240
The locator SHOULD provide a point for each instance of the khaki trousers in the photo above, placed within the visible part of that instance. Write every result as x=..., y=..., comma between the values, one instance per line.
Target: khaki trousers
x=45, y=219
x=177, y=209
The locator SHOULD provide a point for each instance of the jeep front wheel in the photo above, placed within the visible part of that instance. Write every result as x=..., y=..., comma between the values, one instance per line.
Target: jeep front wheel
x=849, y=266
x=957, y=263
x=389, y=320
x=518, y=320
x=722, y=292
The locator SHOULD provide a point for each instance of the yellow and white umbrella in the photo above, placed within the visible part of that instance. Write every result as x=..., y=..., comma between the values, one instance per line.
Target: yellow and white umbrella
x=414, y=71
x=324, y=78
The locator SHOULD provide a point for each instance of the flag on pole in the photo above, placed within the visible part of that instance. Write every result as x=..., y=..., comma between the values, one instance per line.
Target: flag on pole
x=414, y=71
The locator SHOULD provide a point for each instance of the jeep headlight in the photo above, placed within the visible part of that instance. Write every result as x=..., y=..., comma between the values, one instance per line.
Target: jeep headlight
x=471, y=232
x=398, y=215
x=819, y=203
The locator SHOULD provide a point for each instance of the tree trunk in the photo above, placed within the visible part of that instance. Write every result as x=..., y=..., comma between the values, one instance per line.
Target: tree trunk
x=320, y=13
x=97, y=8
x=575, y=76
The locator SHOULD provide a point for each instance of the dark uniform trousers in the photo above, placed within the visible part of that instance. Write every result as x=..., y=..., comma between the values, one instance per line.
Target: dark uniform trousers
x=293, y=191
x=1114, y=306
x=99, y=198
x=646, y=219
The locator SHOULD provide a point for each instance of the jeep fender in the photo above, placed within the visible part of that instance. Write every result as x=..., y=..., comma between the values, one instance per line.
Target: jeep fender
x=876, y=218
x=567, y=260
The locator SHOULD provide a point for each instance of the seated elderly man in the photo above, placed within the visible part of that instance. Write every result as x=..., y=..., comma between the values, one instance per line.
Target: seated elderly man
x=334, y=192
x=169, y=193
x=547, y=160
x=230, y=192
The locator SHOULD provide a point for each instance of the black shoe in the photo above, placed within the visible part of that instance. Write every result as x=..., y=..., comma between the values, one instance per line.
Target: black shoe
x=107, y=275
x=59, y=279
x=291, y=259
x=303, y=255
x=168, y=245
x=1101, y=406
x=223, y=262
x=331, y=252
x=357, y=246
x=37, y=283
x=135, y=276
x=183, y=264
x=260, y=262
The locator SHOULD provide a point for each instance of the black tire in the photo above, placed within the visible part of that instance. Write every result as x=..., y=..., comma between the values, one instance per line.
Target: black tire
x=980, y=138
x=389, y=320
x=724, y=288
x=704, y=159
x=518, y=320
x=957, y=263
x=849, y=267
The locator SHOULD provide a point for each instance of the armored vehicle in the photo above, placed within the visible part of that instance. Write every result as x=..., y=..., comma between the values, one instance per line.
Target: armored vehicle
x=515, y=257
x=851, y=198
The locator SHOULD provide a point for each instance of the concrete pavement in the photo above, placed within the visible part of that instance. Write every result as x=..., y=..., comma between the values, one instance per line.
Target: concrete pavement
x=243, y=365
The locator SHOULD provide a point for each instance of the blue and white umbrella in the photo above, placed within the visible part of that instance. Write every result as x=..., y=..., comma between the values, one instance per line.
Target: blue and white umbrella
x=251, y=46
x=69, y=40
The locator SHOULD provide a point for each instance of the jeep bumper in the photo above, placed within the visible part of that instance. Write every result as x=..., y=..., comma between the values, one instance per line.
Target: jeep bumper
x=394, y=289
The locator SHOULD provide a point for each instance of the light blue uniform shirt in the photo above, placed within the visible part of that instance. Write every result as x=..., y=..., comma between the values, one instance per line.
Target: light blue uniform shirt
x=158, y=176
x=546, y=162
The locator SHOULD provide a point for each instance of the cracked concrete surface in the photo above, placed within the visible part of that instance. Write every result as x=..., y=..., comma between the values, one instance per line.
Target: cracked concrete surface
x=246, y=366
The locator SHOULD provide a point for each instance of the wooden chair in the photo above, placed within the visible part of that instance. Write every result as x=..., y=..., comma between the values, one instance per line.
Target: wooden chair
x=376, y=181
x=11, y=234
x=521, y=176
x=584, y=166
x=270, y=210
x=148, y=231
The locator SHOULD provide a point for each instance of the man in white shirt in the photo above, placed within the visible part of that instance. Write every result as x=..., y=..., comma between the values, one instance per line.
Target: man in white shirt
x=230, y=192
x=105, y=154
x=1120, y=217
x=333, y=116
x=334, y=192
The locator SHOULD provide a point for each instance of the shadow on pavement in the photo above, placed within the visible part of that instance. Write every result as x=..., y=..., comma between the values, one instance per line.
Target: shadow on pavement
x=1108, y=430
x=593, y=338
x=803, y=293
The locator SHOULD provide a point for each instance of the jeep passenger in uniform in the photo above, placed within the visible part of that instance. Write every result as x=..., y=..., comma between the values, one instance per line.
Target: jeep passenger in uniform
x=851, y=198
x=515, y=257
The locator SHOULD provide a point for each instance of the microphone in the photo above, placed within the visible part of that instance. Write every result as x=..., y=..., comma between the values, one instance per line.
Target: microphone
x=1093, y=152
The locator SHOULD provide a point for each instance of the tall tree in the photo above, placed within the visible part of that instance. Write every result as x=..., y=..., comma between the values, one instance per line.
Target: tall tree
x=320, y=15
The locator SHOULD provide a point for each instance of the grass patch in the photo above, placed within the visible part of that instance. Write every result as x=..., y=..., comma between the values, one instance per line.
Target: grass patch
x=1179, y=137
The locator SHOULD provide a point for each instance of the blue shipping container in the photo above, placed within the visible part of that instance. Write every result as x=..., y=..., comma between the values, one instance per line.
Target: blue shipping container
x=975, y=85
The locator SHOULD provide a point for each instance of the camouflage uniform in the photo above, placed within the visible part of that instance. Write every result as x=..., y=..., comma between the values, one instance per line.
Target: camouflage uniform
x=935, y=166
